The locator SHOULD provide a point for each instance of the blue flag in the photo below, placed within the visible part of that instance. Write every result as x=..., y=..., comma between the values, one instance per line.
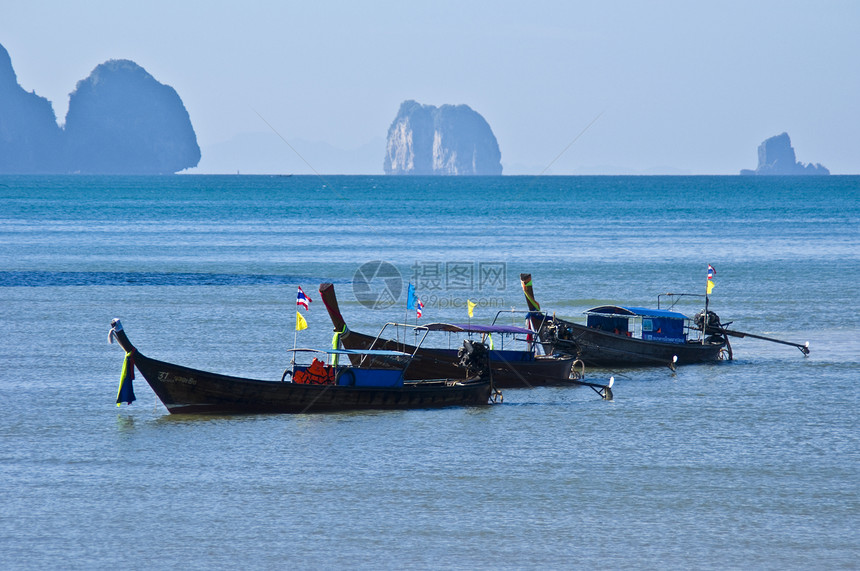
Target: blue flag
x=410, y=297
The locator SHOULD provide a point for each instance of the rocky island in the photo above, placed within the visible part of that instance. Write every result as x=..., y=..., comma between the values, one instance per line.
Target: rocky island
x=446, y=140
x=120, y=121
x=30, y=139
x=776, y=157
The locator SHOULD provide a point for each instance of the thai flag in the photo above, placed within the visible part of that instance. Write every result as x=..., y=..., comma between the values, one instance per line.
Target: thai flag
x=419, y=305
x=711, y=272
x=302, y=299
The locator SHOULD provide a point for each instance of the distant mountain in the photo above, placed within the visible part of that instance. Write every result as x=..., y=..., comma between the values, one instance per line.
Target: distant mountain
x=120, y=121
x=447, y=140
x=29, y=134
x=776, y=157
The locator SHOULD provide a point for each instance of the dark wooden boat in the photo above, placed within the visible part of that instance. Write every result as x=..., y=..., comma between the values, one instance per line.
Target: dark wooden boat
x=509, y=368
x=341, y=388
x=619, y=336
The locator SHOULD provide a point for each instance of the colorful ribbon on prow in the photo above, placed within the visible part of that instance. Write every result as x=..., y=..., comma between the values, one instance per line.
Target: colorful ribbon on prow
x=526, y=287
x=125, y=392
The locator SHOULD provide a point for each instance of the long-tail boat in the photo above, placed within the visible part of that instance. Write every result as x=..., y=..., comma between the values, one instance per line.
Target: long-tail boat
x=622, y=336
x=313, y=388
x=509, y=368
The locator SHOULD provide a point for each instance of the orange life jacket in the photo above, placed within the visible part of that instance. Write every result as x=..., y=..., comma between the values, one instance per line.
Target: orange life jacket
x=319, y=374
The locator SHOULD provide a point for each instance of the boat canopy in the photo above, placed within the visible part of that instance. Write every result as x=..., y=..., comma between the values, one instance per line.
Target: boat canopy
x=636, y=312
x=475, y=328
x=371, y=352
x=657, y=324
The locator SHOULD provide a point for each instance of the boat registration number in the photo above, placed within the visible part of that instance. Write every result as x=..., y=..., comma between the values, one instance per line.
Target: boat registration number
x=166, y=377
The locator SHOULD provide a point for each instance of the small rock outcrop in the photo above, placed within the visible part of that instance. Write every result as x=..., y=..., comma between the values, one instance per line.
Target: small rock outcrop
x=122, y=121
x=446, y=140
x=776, y=157
x=29, y=134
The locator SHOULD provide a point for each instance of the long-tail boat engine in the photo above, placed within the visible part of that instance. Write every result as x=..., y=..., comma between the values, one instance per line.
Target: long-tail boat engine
x=713, y=322
x=474, y=357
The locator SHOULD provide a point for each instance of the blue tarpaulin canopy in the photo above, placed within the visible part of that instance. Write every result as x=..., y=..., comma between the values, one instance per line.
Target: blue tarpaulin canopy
x=635, y=311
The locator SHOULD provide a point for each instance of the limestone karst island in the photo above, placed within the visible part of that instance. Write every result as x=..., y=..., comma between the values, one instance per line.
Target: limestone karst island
x=120, y=121
x=776, y=157
x=446, y=140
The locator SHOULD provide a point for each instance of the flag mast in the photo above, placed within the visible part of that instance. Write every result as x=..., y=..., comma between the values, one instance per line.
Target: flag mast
x=709, y=285
x=295, y=339
x=302, y=300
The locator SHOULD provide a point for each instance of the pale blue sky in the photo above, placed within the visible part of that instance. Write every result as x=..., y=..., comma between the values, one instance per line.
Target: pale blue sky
x=682, y=86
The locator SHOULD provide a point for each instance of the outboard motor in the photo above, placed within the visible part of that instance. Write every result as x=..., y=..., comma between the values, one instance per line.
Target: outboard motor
x=557, y=331
x=713, y=319
x=474, y=357
x=713, y=322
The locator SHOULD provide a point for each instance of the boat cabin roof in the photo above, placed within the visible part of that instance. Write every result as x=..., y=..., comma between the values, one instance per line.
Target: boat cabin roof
x=475, y=328
x=635, y=311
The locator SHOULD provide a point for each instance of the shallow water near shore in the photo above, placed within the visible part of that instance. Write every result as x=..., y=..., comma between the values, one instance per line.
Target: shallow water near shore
x=751, y=463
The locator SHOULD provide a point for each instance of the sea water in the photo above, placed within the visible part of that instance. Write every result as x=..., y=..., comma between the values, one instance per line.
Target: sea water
x=751, y=463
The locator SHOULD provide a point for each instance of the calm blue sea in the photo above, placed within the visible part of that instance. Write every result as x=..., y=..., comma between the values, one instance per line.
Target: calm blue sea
x=735, y=465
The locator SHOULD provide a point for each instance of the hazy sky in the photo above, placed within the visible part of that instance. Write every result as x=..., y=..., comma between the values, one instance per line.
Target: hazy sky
x=690, y=86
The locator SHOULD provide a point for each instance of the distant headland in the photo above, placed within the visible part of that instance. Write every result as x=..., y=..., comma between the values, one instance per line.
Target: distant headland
x=446, y=140
x=776, y=157
x=120, y=121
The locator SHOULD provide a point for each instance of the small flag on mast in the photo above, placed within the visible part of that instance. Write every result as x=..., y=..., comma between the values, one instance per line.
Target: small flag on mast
x=711, y=273
x=410, y=297
x=303, y=299
x=471, y=305
x=413, y=301
x=300, y=322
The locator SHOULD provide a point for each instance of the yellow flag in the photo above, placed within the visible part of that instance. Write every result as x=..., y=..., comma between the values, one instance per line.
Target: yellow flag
x=300, y=322
x=710, y=286
x=471, y=305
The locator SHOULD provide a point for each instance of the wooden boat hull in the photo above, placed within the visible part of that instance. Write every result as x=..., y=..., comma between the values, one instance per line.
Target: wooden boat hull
x=186, y=390
x=605, y=349
x=432, y=363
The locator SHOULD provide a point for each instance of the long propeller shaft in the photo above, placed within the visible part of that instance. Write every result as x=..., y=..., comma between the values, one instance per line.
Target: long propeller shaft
x=803, y=347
